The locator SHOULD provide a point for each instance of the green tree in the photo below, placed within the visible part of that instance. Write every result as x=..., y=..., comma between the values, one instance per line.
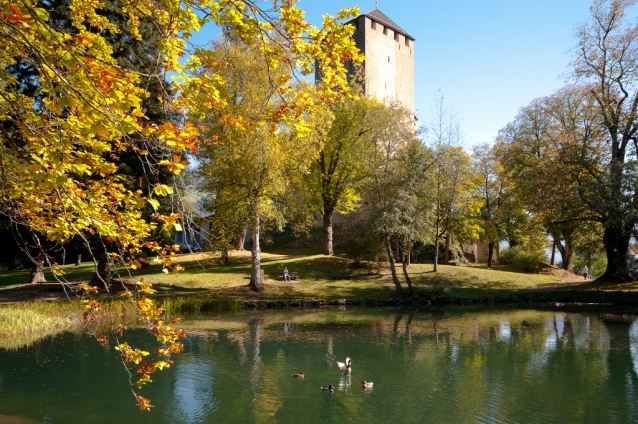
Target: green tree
x=337, y=175
x=492, y=191
x=395, y=168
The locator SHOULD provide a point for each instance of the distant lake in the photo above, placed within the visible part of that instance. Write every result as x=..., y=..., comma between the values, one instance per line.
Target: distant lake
x=449, y=366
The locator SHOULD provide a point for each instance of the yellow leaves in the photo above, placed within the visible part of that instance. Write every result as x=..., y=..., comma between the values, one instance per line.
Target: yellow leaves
x=88, y=289
x=129, y=354
x=163, y=190
x=175, y=165
x=145, y=287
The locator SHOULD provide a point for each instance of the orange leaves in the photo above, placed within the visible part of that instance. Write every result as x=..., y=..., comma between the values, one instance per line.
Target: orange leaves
x=175, y=165
x=91, y=305
x=236, y=122
x=101, y=338
x=13, y=16
x=142, y=402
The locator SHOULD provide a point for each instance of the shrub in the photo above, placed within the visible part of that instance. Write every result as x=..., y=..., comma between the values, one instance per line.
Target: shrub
x=362, y=248
x=523, y=260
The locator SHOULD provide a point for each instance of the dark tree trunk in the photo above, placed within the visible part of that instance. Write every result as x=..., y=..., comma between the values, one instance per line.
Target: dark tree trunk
x=490, y=253
x=395, y=279
x=37, y=270
x=446, y=253
x=436, y=253
x=327, y=234
x=566, y=253
x=102, y=274
x=551, y=262
x=616, y=241
x=241, y=239
x=78, y=260
x=256, y=281
x=405, y=272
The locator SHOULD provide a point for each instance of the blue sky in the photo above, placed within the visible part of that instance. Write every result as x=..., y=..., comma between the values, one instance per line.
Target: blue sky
x=488, y=58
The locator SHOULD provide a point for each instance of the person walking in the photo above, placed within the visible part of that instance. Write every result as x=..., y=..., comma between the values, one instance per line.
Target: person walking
x=586, y=272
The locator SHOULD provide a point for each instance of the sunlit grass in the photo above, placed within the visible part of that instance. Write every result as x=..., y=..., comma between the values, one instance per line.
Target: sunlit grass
x=23, y=324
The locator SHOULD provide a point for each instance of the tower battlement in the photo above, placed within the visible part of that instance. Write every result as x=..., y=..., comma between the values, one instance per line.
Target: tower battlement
x=389, y=57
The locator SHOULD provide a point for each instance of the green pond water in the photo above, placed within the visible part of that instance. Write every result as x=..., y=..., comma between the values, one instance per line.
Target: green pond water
x=452, y=366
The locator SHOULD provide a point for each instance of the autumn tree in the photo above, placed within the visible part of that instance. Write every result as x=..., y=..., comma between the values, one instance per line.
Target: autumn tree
x=337, y=175
x=552, y=153
x=387, y=191
x=246, y=165
x=58, y=175
x=455, y=209
x=606, y=57
x=492, y=191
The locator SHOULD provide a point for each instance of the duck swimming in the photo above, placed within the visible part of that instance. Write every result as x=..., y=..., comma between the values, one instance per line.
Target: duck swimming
x=298, y=375
x=367, y=384
x=346, y=368
x=328, y=389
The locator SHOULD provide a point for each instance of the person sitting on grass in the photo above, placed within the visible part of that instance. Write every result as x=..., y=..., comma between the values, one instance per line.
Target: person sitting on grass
x=286, y=274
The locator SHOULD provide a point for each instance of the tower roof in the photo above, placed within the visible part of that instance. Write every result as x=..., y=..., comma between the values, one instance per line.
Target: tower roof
x=380, y=17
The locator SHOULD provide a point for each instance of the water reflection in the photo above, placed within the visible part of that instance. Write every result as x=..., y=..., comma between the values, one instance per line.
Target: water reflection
x=449, y=366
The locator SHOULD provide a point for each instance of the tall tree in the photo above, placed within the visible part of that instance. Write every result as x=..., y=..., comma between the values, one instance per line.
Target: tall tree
x=453, y=183
x=246, y=168
x=337, y=175
x=606, y=57
x=389, y=200
x=492, y=192
x=551, y=152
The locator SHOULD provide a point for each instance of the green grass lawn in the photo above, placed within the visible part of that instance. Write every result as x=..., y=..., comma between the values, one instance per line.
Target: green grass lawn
x=204, y=273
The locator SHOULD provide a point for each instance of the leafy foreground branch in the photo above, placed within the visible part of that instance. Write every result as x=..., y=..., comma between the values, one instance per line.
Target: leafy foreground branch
x=150, y=315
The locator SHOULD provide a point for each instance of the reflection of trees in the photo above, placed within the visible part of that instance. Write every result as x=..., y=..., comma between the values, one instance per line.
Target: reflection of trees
x=452, y=367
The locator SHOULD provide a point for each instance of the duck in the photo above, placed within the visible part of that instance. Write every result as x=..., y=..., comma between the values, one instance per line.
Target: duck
x=367, y=384
x=346, y=368
x=298, y=375
x=329, y=389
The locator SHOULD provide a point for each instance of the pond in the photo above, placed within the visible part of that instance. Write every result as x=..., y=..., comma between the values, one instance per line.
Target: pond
x=445, y=366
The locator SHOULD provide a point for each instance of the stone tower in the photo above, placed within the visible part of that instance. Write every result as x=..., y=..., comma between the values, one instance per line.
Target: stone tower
x=389, y=57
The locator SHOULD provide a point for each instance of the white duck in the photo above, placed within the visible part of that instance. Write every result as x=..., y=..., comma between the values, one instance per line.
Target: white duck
x=346, y=368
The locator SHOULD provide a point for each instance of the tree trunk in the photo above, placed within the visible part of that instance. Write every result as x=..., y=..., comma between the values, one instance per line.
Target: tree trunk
x=327, y=234
x=256, y=282
x=436, y=246
x=405, y=272
x=446, y=254
x=566, y=253
x=395, y=279
x=490, y=253
x=37, y=270
x=241, y=239
x=436, y=253
x=616, y=241
x=78, y=260
x=102, y=274
x=551, y=262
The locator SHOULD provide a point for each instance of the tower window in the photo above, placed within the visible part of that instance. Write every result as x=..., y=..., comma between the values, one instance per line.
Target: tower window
x=407, y=41
x=388, y=59
x=396, y=36
x=374, y=25
x=385, y=30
